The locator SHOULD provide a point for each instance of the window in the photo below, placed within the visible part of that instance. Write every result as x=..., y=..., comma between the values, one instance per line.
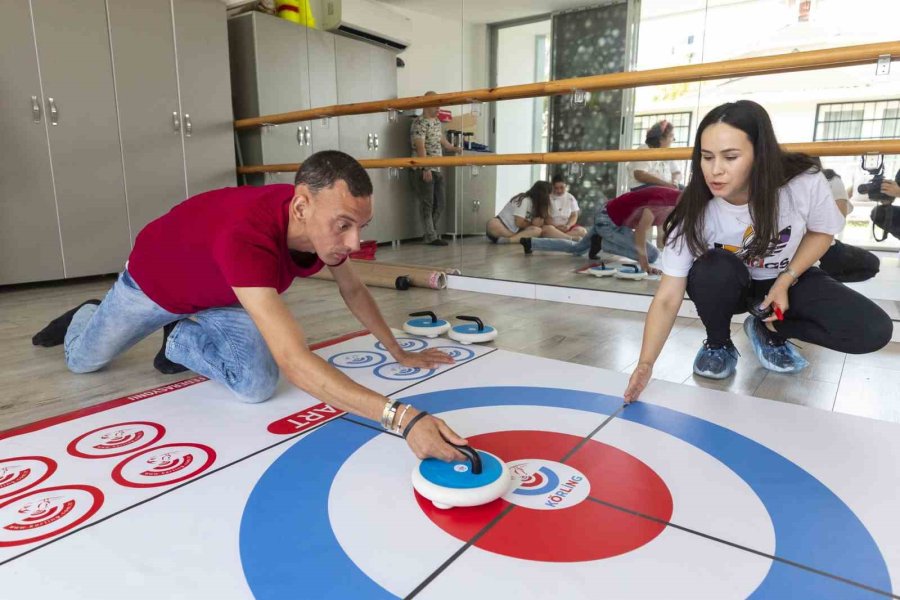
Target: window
x=681, y=121
x=876, y=119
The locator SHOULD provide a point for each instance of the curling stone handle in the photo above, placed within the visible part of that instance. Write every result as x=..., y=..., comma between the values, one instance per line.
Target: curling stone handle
x=473, y=457
x=475, y=319
x=425, y=313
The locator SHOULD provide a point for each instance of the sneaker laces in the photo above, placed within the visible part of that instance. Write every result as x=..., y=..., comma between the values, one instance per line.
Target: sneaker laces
x=727, y=346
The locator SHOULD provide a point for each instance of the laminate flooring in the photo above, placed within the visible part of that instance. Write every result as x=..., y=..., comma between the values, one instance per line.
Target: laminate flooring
x=35, y=384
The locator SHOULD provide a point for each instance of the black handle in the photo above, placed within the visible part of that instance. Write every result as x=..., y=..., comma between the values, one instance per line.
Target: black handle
x=475, y=319
x=425, y=313
x=473, y=457
x=402, y=283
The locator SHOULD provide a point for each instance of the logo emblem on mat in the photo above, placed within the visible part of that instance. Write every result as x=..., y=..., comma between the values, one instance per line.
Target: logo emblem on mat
x=116, y=440
x=546, y=485
x=357, y=359
x=407, y=343
x=164, y=465
x=397, y=372
x=47, y=512
x=456, y=353
x=19, y=474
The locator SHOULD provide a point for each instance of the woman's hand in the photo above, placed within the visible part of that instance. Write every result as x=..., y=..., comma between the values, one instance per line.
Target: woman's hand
x=778, y=295
x=640, y=377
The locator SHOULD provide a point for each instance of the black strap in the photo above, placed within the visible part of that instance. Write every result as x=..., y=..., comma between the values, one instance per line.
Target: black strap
x=415, y=420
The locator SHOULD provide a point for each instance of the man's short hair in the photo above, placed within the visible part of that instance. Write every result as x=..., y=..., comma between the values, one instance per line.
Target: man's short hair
x=321, y=170
x=558, y=178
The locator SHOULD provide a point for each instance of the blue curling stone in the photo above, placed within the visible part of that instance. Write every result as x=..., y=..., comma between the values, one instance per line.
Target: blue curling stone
x=458, y=475
x=426, y=322
x=472, y=328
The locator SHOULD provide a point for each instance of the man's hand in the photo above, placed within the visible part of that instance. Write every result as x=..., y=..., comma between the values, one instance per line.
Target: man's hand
x=426, y=359
x=890, y=188
x=428, y=439
x=639, y=380
x=426, y=175
x=645, y=266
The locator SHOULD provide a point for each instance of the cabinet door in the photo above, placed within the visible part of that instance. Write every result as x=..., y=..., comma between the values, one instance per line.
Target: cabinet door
x=143, y=45
x=354, y=85
x=84, y=144
x=323, y=88
x=283, y=86
x=201, y=43
x=29, y=229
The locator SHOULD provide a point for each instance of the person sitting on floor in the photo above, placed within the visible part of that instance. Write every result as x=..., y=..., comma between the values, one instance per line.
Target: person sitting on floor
x=622, y=228
x=210, y=273
x=842, y=261
x=523, y=216
x=563, y=220
x=750, y=225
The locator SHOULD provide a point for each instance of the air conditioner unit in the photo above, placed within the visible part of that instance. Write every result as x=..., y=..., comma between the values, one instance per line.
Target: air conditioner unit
x=367, y=20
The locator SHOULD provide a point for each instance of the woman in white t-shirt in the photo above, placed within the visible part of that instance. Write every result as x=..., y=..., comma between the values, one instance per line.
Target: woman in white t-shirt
x=562, y=221
x=665, y=173
x=523, y=216
x=750, y=225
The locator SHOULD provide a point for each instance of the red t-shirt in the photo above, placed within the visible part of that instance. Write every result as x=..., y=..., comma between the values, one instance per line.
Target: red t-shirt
x=189, y=259
x=626, y=209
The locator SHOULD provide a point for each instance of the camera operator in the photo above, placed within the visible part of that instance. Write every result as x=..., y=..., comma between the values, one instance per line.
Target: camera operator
x=842, y=261
x=887, y=216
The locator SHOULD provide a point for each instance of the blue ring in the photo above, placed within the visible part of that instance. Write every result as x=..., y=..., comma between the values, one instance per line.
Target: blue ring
x=287, y=546
x=420, y=344
x=381, y=359
x=426, y=322
x=471, y=353
x=423, y=373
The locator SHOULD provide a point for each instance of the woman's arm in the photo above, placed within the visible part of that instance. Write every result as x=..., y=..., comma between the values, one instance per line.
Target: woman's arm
x=657, y=327
x=640, y=238
x=811, y=248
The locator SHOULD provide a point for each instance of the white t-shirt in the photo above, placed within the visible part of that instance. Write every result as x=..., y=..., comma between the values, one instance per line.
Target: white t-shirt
x=805, y=203
x=512, y=210
x=664, y=169
x=561, y=208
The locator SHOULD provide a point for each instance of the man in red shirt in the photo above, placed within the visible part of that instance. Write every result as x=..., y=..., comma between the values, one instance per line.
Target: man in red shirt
x=210, y=273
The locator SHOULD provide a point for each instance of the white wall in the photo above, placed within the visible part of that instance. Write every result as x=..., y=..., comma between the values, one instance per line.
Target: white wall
x=515, y=118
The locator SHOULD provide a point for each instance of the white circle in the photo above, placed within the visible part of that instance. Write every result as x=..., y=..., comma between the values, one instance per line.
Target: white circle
x=163, y=465
x=20, y=474
x=546, y=485
x=115, y=440
x=461, y=468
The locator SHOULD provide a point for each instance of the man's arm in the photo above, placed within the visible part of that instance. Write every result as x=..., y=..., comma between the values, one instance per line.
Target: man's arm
x=360, y=302
x=312, y=374
x=450, y=147
x=573, y=218
x=420, y=146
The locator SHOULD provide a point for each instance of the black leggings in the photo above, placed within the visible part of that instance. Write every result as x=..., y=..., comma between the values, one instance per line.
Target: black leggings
x=848, y=263
x=880, y=216
x=822, y=311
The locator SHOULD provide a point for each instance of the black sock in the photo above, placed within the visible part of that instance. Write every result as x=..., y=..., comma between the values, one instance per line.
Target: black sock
x=526, y=243
x=54, y=334
x=596, y=244
x=160, y=362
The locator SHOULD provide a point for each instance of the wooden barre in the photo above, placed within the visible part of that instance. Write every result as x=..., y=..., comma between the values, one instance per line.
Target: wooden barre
x=593, y=156
x=761, y=65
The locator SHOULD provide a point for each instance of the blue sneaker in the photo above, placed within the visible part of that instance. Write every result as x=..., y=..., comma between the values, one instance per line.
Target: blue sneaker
x=716, y=361
x=772, y=350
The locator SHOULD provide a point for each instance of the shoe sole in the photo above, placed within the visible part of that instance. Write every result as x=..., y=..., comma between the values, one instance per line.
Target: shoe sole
x=710, y=375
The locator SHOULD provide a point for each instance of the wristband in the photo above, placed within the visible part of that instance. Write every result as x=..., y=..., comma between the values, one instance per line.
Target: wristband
x=412, y=423
x=387, y=415
x=398, y=429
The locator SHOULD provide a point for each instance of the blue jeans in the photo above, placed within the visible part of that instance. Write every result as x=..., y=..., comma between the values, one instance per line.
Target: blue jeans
x=222, y=344
x=617, y=239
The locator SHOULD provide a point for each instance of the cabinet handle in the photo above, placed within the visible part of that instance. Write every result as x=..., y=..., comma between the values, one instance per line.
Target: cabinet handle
x=369, y=141
x=376, y=141
x=54, y=112
x=300, y=136
x=176, y=122
x=35, y=109
x=187, y=125
x=308, y=135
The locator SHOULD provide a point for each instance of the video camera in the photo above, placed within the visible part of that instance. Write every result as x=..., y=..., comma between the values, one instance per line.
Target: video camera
x=873, y=188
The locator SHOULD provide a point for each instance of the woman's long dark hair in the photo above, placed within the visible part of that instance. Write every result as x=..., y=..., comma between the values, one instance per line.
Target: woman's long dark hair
x=772, y=168
x=540, y=199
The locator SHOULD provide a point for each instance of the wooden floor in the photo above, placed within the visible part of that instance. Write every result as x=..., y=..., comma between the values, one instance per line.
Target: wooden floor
x=35, y=384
